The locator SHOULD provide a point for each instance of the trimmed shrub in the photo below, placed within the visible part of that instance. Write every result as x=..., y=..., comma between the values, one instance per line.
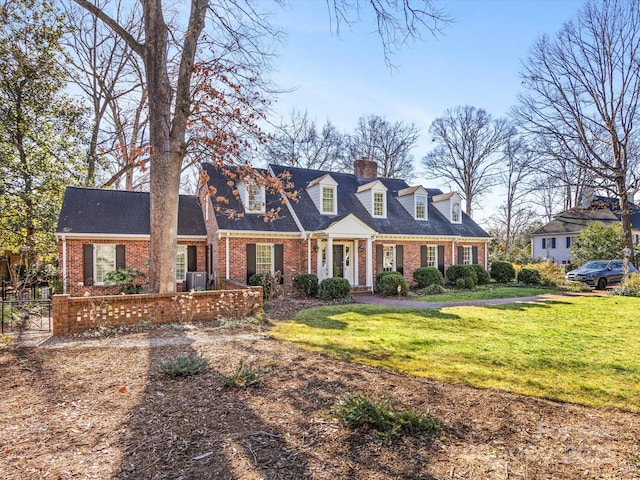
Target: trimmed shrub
x=465, y=282
x=529, y=276
x=126, y=279
x=455, y=272
x=389, y=284
x=503, y=272
x=427, y=276
x=481, y=274
x=551, y=274
x=334, y=288
x=306, y=283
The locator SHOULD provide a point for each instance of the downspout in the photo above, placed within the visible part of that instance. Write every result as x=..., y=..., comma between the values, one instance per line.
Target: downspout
x=226, y=256
x=64, y=264
x=308, y=254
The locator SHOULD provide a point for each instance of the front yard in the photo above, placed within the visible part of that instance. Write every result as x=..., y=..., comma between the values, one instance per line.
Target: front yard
x=101, y=409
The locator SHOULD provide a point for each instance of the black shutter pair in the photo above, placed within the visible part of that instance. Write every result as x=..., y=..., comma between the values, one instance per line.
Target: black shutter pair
x=278, y=260
x=399, y=259
x=87, y=262
x=440, y=259
x=474, y=255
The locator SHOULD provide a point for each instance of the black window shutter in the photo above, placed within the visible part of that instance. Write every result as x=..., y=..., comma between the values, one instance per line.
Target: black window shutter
x=474, y=255
x=441, y=258
x=544, y=243
x=120, y=258
x=553, y=242
x=460, y=258
x=568, y=242
x=251, y=260
x=87, y=264
x=278, y=260
x=192, y=258
x=399, y=259
x=379, y=264
x=423, y=255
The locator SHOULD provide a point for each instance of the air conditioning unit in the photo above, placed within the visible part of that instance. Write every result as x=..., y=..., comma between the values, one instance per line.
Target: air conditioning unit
x=196, y=281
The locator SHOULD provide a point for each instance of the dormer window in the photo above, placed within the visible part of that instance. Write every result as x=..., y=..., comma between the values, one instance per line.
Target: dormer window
x=252, y=196
x=421, y=207
x=378, y=204
x=328, y=200
x=455, y=212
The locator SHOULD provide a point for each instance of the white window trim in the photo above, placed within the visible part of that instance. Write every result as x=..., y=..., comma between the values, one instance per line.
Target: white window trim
x=384, y=203
x=334, y=210
x=415, y=207
x=435, y=255
x=247, y=192
x=95, y=264
x=459, y=219
x=182, y=248
x=393, y=256
x=467, y=251
x=271, y=257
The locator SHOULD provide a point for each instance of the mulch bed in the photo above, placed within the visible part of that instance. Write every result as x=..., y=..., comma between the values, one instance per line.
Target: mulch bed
x=100, y=409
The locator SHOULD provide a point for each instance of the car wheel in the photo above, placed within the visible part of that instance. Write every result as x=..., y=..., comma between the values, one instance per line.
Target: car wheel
x=602, y=284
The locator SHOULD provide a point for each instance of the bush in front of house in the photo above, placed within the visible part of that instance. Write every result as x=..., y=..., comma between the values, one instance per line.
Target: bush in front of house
x=427, y=276
x=481, y=274
x=268, y=282
x=629, y=287
x=306, y=283
x=389, y=284
x=463, y=276
x=380, y=276
x=126, y=279
x=334, y=288
x=503, y=272
x=529, y=276
x=551, y=274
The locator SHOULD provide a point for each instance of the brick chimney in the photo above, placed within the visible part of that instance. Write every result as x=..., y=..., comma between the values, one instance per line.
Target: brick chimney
x=365, y=168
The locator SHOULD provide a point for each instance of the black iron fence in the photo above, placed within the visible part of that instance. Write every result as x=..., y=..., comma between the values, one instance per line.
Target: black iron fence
x=25, y=314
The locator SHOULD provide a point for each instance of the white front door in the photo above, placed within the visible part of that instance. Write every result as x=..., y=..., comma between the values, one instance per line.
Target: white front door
x=343, y=259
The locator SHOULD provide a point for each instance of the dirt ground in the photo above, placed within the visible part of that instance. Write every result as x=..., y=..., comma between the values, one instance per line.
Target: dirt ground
x=78, y=408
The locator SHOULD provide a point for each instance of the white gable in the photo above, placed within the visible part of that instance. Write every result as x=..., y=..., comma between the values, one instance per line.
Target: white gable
x=349, y=227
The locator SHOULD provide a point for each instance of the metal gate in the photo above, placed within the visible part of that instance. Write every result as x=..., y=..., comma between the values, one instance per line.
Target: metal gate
x=19, y=315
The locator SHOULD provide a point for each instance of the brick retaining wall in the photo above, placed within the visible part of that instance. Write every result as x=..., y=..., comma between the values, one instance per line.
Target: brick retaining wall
x=73, y=314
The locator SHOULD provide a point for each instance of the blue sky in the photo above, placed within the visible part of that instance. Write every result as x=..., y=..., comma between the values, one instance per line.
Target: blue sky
x=476, y=61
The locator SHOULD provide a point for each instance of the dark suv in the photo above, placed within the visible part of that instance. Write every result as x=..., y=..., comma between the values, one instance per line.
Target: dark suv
x=600, y=273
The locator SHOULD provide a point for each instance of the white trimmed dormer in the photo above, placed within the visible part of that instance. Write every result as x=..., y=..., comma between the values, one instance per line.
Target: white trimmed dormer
x=414, y=200
x=373, y=196
x=324, y=193
x=252, y=196
x=450, y=205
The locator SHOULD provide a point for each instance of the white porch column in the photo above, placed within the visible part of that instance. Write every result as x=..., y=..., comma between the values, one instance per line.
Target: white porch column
x=309, y=255
x=453, y=253
x=329, y=257
x=369, y=270
x=356, y=262
x=319, y=271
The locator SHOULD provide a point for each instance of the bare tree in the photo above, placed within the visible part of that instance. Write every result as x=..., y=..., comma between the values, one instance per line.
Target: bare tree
x=236, y=28
x=299, y=143
x=468, y=142
x=583, y=90
x=387, y=143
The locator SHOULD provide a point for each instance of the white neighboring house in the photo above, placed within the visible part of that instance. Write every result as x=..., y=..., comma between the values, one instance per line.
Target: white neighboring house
x=553, y=240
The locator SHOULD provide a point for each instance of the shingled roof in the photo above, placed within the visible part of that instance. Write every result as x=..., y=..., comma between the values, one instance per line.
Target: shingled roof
x=573, y=221
x=116, y=212
x=398, y=221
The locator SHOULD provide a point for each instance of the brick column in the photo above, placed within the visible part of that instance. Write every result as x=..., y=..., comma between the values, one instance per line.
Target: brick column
x=60, y=310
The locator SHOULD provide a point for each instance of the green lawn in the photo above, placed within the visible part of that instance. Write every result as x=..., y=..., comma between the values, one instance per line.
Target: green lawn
x=487, y=293
x=578, y=349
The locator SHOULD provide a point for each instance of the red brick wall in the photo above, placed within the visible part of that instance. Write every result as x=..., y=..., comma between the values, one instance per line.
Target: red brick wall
x=136, y=257
x=72, y=314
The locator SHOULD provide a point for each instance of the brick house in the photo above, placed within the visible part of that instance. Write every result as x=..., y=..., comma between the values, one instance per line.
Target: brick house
x=350, y=225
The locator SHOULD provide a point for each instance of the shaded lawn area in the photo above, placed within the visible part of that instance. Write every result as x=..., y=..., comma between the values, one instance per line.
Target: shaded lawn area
x=488, y=293
x=582, y=350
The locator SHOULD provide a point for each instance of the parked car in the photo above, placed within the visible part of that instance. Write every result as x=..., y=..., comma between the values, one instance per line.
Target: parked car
x=600, y=273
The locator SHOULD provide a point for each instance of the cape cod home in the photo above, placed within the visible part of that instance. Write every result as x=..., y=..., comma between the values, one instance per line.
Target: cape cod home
x=553, y=241
x=352, y=225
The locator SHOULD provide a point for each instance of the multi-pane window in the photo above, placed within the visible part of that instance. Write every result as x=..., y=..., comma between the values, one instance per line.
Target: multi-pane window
x=467, y=255
x=455, y=212
x=254, y=198
x=432, y=256
x=328, y=199
x=104, y=261
x=378, y=204
x=181, y=263
x=421, y=207
x=388, y=258
x=549, y=243
x=264, y=258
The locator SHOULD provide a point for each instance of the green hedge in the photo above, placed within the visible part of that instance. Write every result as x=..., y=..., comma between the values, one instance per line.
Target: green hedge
x=334, y=288
x=427, y=276
x=529, y=276
x=389, y=284
x=464, y=276
x=502, y=272
x=481, y=274
x=306, y=283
